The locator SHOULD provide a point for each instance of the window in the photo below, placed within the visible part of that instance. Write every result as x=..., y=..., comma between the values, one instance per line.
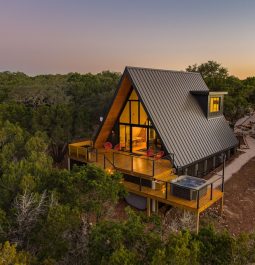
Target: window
x=133, y=112
x=125, y=117
x=214, y=104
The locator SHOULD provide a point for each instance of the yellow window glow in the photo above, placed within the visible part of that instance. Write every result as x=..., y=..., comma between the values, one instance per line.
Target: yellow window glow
x=214, y=104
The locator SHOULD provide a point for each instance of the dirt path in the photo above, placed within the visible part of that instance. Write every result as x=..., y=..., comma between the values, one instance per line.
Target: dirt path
x=239, y=202
x=239, y=210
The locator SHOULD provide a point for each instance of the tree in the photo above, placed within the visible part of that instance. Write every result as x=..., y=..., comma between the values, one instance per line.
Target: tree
x=10, y=256
x=213, y=73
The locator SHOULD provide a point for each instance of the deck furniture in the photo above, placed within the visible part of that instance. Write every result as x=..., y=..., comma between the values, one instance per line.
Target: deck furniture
x=117, y=147
x=149, y=152
x=159, y=155
x=107, y=146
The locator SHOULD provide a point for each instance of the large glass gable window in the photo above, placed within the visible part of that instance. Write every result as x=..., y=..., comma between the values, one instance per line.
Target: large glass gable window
x=133, y=112
x=136, y=133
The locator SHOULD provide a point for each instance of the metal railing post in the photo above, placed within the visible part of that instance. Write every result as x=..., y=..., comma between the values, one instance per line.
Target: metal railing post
x=166, y=190
x=140, y=184
x=132, y=164
x=153, y=167
x=223, y=172
x=104, y=161
x=198, y=198
x=211, y=191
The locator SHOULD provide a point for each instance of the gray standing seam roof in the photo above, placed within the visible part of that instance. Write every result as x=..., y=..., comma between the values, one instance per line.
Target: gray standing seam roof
x=178, y=118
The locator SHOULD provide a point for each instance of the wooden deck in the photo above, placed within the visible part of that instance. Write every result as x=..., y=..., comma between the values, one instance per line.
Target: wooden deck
x=160, y=195
x=140, y=166
x=145, y=168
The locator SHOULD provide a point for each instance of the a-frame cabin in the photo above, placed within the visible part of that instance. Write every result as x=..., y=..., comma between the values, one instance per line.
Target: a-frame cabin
x=160, y=125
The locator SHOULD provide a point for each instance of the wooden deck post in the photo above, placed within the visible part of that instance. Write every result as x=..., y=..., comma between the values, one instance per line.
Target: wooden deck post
x=68, y=163
x=156, y=202
x=197, y=222
x=148, y=207
x=221, y=205
x=153, y=206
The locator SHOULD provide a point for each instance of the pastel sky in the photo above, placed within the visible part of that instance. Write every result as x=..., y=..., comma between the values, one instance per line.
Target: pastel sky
x=61, y=36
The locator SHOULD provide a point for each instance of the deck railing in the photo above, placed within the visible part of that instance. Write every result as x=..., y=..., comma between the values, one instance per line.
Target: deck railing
x=122, y=161
x=217, y=184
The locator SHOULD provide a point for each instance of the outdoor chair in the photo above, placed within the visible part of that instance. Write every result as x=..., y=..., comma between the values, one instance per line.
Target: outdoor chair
x=117, y=147
x=107, y=146
x=159, y=155
x=149, y=152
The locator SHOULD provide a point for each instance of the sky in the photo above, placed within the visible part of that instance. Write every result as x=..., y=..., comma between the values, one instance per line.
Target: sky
x=61, y=36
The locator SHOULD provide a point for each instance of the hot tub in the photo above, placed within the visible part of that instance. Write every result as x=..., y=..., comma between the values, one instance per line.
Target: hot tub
x=186, y=187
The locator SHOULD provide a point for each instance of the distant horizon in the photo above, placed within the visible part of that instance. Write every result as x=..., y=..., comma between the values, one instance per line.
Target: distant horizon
x=115, y=71
x=59, y=37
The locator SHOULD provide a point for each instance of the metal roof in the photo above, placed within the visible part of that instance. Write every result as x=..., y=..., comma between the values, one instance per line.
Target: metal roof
x=176, y=115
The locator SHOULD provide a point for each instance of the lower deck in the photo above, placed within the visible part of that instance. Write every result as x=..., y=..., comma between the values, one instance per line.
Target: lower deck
x=148, y=177
x=165, y=196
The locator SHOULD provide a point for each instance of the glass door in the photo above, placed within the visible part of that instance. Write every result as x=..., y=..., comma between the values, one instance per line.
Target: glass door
x=125, y=138
x=139, y=139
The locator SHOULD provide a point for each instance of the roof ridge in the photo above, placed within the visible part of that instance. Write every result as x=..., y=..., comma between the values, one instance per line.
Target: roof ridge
x=162, y=70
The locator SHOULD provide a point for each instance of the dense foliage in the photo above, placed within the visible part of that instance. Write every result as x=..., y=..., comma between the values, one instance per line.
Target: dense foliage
x=63, y=106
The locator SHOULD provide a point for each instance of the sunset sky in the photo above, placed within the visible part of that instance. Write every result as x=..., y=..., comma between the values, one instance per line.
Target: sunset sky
x=60, y=36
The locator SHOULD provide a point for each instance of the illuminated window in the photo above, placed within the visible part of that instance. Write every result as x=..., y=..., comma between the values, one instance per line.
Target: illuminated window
x=143, y=116
x=134, y=112
x=125, y=117
x=133, y=96
x=214, y=104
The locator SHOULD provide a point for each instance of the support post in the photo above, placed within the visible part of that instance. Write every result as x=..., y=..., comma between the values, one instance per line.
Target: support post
x=198, y=198
x=132, y=164
x=104, y=161
x=153, y=167
x=140, y=184
x=166, y=190
x=211, y=191
x=68, y=164
x=221, y=205
x=223, y=172
x=156, y=202
x=197, y=222
x=87, y=158
x=153, y=206
x=148, y=207
x=186, y=171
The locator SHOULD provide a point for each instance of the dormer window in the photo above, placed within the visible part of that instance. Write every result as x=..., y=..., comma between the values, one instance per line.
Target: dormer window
x=210, y=102
x=215, y=104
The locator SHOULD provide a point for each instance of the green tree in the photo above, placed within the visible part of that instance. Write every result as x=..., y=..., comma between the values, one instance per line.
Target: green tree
x=10, y=256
